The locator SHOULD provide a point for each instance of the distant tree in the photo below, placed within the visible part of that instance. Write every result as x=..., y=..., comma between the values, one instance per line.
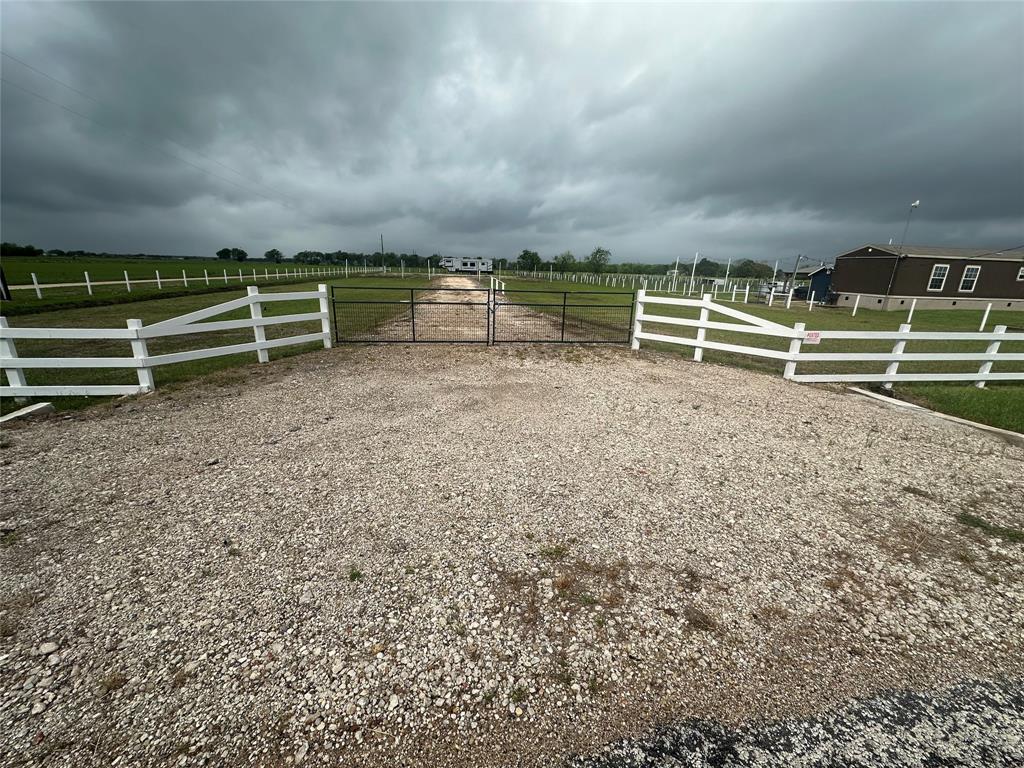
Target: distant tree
x=238, y=254
x=709, y=268
x=564, y=262
x=529, y=260
x=598, y=260
x=13, y=249
x=273, y=255
x=751, y=268
x=224, y=253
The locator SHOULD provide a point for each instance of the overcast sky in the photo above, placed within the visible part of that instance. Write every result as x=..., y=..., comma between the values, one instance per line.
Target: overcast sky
x=755, y=131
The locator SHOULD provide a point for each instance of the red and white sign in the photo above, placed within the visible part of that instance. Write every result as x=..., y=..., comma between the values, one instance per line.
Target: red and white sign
x=812, y=337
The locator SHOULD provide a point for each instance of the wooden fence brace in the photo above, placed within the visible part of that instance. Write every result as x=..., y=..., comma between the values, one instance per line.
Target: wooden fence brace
x=794, y=349
x=256, y=311
x=15, y=376
x=992, y=349
x=140, y=352
x=897, y=349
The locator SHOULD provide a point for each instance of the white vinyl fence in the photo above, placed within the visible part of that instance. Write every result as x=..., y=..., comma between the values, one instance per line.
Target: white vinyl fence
x=216, y=277
x=138, y=334
x=799, y=337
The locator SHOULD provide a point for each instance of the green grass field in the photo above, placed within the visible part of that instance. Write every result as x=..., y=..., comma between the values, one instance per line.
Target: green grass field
x=203, y=276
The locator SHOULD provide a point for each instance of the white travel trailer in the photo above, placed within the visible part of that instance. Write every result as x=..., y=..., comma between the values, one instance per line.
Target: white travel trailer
x=472, y=264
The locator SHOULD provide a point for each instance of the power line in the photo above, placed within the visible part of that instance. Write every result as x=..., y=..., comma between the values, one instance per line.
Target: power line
x=162, y=136
x=151, y=143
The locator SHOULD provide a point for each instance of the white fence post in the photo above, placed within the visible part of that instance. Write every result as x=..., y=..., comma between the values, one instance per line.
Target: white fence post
x=88, y=284
x=897, y=349
x=698, y=351
x=184, y=279
x=789, y=298
x=240, y=278
x=810, y=304
x=127, y=282
x=15, y=376
x=140, y=352
x=634, y=343
x=35, y=282
x=159, y=285
x=256, y=310
x=746, y=293
x=910, y=314
x=206, y=276
x=225, y=277
x=771, y=296
x=856, y=303
x=325, y=323
x=993, y=347
x=254, y=275
x=984, y=318
x=794, y=349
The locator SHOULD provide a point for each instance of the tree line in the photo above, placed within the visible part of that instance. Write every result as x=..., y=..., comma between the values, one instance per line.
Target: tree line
x=598, y=261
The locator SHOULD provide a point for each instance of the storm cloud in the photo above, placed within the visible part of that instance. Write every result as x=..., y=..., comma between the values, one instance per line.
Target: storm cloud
x=744, y=131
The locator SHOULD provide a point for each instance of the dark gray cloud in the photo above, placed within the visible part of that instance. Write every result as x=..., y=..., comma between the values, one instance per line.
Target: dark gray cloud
x=740, y=130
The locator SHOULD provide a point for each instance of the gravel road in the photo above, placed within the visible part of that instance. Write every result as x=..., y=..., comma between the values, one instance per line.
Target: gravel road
x=481, y=556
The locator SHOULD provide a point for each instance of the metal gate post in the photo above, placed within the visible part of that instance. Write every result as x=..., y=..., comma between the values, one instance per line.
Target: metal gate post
x=334, y=309
x=565, y=296
x=412, y=310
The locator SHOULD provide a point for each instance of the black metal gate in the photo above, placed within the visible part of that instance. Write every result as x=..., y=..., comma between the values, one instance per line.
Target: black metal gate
x=446, y=315
x=562, y=317
x=480, y=315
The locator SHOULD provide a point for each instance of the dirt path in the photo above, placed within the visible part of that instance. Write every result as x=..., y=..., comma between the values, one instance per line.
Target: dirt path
x=452, y=315
x=443, y=555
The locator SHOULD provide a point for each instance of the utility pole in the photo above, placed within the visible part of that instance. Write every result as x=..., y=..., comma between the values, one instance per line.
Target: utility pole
x=899, y=252
x=796, y=266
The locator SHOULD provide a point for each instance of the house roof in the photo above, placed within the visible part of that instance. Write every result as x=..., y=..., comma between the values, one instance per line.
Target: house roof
x=942, y=252
x=807, y=270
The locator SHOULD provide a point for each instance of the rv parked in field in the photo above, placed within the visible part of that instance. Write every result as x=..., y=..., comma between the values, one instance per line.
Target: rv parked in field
x=467, y=264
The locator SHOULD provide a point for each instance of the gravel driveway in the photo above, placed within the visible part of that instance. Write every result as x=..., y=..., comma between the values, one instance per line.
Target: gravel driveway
x=489, y=556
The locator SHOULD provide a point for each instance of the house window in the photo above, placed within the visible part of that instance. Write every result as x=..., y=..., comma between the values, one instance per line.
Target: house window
x=970, y=278
x=1020, y=275
x=938, y=278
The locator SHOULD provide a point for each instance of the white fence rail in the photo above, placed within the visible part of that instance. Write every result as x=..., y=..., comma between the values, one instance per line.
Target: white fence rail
x=138, y=334
x=216, y=277
x=799, y=336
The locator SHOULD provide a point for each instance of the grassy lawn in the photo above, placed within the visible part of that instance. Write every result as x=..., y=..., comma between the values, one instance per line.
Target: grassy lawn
x=203, y=275
x=154, y=310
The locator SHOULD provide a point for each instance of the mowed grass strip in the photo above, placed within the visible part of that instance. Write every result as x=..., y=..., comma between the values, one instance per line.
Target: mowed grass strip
x=155, y=310
x=202, y=275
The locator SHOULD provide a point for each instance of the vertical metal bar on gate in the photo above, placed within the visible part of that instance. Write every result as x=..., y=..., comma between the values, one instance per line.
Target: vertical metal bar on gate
x=632, y=317
x=565, y=297
x=412, y=310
